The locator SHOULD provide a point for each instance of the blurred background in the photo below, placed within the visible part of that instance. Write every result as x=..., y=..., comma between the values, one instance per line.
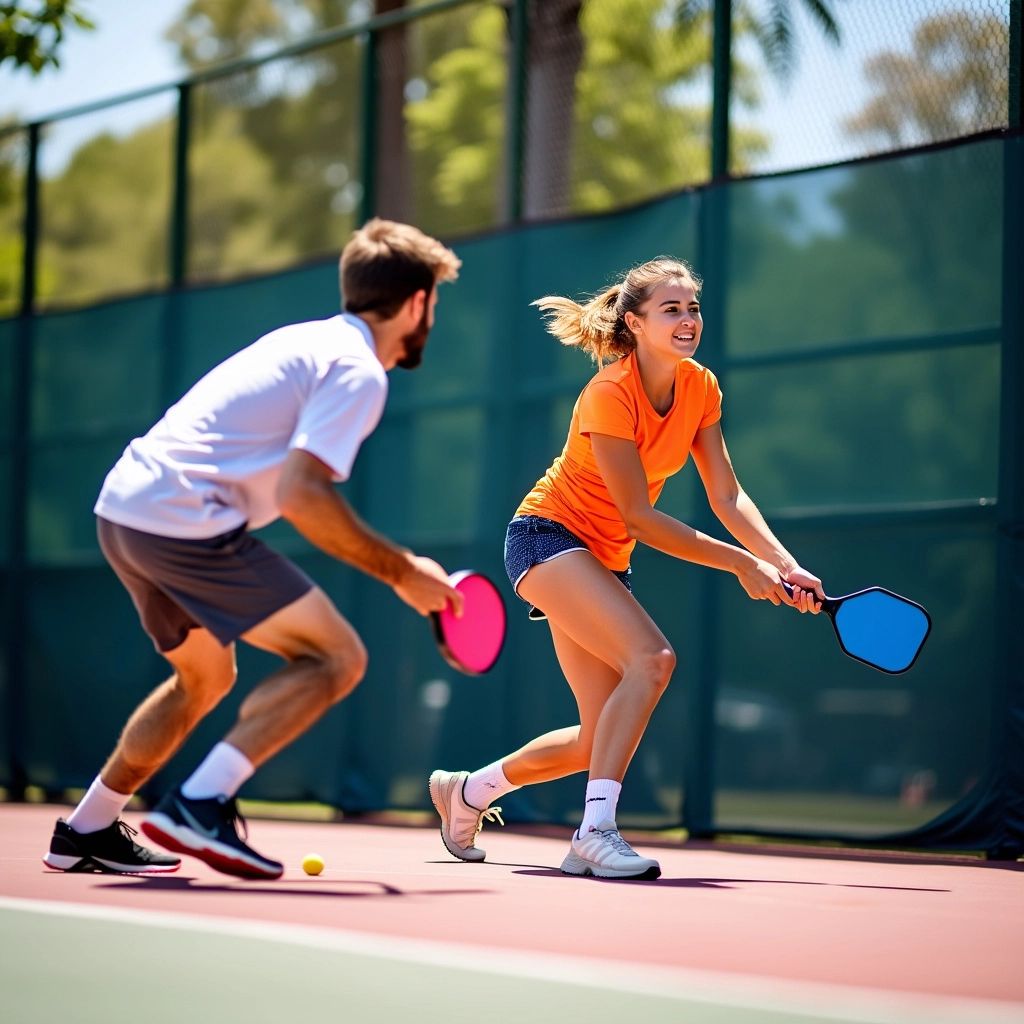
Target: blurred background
x=845, y=175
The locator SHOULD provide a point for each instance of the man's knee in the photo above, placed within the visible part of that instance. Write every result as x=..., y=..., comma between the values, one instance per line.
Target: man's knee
x=345, y=666
x=205, y=687
x=204, y=670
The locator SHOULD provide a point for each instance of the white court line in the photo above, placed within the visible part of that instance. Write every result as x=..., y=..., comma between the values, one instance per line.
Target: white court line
x=822, y=1001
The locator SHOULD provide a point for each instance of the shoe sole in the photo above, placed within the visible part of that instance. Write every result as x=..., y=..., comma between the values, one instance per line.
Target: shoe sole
x=95, y=865
x=162, y=830
x=434, y=785
x=579, y=868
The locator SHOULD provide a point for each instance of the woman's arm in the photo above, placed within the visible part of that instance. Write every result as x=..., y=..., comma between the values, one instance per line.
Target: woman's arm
x=738, y=513
x=623, y=474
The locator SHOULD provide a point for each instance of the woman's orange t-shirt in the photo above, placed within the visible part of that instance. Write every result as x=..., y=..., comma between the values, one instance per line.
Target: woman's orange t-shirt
x=572, y=492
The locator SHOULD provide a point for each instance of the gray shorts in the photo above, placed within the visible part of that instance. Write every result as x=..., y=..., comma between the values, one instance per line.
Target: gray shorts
x=226, y=584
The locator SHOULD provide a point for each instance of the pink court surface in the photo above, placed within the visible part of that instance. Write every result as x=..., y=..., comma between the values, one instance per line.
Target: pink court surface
x=394, y=929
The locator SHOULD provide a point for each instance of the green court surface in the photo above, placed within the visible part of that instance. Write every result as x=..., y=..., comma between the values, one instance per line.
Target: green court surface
x=85, y=968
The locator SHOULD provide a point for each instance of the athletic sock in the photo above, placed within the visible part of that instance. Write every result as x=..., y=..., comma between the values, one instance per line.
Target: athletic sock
x=485, y=786
x=98, y=809
x=602, y=801
x=223, y=773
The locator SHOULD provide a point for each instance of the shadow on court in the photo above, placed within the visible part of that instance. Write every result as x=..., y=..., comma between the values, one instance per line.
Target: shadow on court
x=320, y=889
x=721, y=883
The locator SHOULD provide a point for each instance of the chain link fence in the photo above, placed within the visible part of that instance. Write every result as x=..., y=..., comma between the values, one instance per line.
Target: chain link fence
x=465, y=116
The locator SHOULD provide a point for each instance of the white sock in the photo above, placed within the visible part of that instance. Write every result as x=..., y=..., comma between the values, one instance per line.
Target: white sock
x=223, y=773
x=485, y=786
x=99, y=808
x=602, y=801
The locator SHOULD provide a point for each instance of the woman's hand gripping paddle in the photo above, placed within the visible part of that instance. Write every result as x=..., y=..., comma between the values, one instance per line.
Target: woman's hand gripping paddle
x=877, y=627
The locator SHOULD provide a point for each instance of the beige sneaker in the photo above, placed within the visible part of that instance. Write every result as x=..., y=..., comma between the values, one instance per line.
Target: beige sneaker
x=603, y=853
x=460, y=821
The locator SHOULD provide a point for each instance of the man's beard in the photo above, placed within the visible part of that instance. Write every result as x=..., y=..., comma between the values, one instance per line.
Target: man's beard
x=414, y=343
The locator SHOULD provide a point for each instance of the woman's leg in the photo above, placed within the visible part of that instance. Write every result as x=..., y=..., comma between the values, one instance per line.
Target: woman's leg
x=565, y=751
x=613, y=656
x=596, y=621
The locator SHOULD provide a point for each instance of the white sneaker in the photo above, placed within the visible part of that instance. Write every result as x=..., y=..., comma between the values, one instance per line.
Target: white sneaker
x=460, y=821
x=603, y=853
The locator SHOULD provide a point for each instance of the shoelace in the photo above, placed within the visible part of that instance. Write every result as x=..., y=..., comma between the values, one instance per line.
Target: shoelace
x=127, y=832
x=612, y=837
x=233, y=817
x=491, y=814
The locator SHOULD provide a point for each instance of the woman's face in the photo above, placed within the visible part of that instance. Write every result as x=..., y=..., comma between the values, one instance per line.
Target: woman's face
x=669, y=322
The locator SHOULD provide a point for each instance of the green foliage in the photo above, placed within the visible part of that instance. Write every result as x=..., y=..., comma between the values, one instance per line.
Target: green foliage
x=212, y=31
x=275, y=163
x=11, y=242
x=31, y=33
x=641, y=128
x=456, y=132
x=105, y=218
x=639, y=124
x=771, y=25
x=954, y=82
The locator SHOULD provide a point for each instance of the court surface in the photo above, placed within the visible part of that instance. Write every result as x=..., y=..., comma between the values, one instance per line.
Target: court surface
x=396, y=930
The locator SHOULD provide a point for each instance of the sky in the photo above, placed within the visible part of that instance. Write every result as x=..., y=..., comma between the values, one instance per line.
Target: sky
x=127, y=52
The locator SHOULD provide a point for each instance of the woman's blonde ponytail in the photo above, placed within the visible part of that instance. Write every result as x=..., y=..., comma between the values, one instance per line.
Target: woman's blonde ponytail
x=599, y=328
x=595, y=328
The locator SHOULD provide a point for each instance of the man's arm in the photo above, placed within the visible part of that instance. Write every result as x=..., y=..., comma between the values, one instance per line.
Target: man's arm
x=308, y=499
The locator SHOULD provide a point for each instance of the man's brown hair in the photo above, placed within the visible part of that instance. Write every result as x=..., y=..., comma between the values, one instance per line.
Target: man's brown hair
x=385, y=262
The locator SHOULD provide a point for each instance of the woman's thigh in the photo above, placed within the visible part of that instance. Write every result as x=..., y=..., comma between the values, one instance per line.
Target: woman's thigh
x=589, y=606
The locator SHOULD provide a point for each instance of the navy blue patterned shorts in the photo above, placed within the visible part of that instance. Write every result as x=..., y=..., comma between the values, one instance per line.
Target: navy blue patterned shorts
x=530, y=540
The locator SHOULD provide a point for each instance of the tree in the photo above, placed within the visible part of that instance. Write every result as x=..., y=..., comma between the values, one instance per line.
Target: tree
x=11, y=241
x=773, y=30
x=213, y=31
x=31, y=34
x=954, y=82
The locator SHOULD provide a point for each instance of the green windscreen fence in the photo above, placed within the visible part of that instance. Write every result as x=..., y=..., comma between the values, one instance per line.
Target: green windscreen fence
x=856, y=318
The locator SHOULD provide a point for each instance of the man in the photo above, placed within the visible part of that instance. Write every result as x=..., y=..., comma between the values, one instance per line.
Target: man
x=265, y=434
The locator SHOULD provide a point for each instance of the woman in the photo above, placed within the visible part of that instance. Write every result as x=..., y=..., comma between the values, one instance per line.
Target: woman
x=568, y=547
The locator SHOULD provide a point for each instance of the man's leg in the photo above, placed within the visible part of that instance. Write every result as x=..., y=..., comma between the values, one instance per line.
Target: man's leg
x=93, y=838
x=204, y=671
x=325, y=661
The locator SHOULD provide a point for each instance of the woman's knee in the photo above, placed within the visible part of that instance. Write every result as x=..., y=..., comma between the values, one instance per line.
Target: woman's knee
x=656, y=666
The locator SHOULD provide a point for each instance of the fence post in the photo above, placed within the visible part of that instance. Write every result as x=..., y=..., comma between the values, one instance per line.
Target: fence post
x=179, y=211
x=17, y=596
x=721, y=67
x=368, y=203
x=712, y=265
x=515, y=131
x=1015, y=110
x=699, y=767
x=1009, y=604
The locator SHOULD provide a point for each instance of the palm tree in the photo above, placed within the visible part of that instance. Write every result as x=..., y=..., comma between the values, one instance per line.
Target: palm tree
x=555, y=54
x=773, y=28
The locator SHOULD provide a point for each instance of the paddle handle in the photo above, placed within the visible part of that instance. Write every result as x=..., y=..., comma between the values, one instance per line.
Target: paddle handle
x=828, y=605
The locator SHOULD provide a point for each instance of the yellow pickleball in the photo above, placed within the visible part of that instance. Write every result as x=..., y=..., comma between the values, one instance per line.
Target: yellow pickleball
x=312, y=863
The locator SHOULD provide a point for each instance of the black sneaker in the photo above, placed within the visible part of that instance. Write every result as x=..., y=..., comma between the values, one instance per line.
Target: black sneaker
x=208, y=829
x=110, y=851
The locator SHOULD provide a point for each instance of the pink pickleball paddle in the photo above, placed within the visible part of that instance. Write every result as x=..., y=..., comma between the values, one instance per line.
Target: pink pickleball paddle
x=472, y=643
